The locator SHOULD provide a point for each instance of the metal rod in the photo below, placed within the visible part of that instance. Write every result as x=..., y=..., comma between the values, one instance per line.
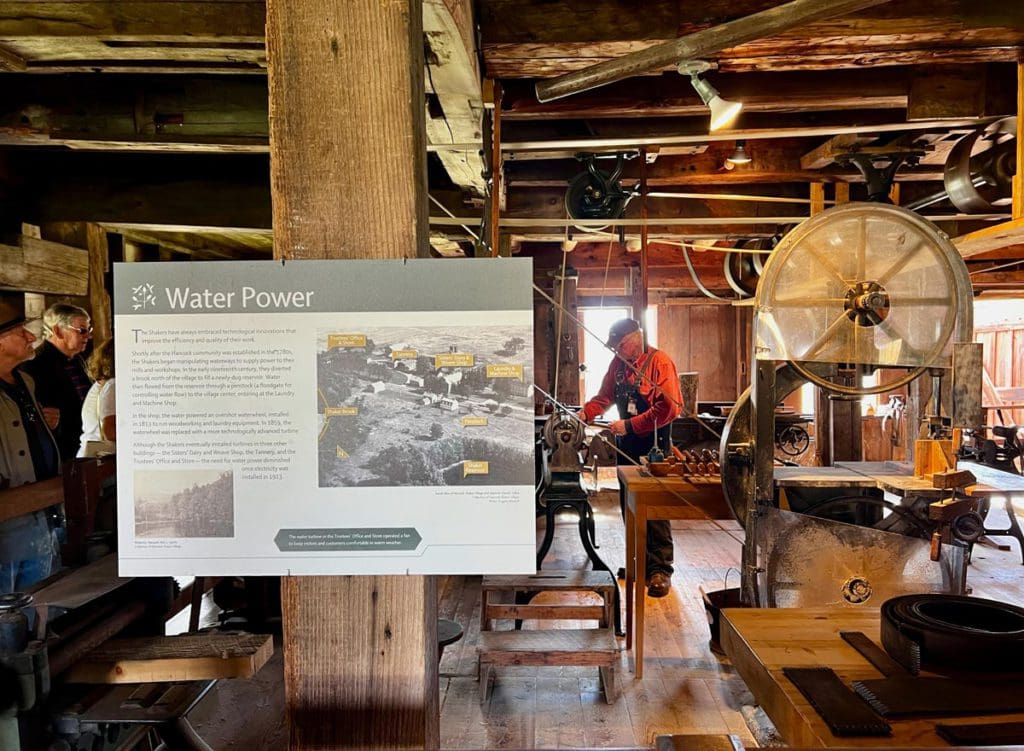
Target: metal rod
x=443, y=221
x=731, y=197
x=446, y=210
x=635, y=142
x=700, y=44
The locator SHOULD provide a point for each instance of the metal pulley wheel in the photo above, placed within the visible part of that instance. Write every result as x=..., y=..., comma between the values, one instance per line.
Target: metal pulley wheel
x=562, y=429
x=596, y=194
x=742, y=270
x=863, y=284
x=976, y=182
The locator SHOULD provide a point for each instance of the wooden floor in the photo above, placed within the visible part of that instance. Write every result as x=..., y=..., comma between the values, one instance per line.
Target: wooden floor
x=686, y=688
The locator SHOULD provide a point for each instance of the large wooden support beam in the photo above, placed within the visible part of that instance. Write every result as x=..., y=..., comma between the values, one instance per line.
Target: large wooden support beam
x=35, y=265
x=360, y=651
x=454, y=75
x=701, y=44
x=99, y=265
x=1018, y=178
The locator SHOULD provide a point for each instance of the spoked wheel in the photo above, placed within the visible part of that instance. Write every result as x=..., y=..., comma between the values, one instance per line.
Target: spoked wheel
x=863, y=284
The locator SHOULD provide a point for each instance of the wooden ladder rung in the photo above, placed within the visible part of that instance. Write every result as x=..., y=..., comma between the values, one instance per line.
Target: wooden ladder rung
x=556, y=581
x=546, y=612
x=595, y=647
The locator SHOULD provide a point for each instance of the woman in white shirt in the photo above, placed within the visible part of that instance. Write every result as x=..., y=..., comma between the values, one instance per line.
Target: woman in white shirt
x=99, y=422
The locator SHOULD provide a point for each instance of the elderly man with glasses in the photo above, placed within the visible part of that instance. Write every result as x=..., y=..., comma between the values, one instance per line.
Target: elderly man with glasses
x=28, y=452
x=59, y=371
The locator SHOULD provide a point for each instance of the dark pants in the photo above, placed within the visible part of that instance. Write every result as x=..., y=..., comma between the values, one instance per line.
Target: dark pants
x=659, y=532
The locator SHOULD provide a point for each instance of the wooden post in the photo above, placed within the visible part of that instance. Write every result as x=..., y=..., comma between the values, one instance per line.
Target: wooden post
x=565, y=335
x=99, y=265
x=842, y=193
x=645, y=280
x=348, y=180
x=1018, y=179
x=817, y=198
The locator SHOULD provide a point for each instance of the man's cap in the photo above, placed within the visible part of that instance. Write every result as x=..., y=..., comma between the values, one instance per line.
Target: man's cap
x=620, y=329
x=12, y=310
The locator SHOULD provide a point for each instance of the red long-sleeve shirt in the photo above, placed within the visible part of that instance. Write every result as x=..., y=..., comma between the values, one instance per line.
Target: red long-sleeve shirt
x=659, y=388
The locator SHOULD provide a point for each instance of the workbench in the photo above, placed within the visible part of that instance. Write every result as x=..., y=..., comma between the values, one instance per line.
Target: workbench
x=647, y=498
x=761, y=642
x=897, y=478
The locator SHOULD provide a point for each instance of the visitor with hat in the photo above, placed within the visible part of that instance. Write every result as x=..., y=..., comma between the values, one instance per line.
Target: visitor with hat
x=28, y=451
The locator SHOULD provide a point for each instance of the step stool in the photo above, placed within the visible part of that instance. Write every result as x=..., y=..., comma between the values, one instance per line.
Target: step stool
x=588, y=647
x=499, y=595
x=595, y=647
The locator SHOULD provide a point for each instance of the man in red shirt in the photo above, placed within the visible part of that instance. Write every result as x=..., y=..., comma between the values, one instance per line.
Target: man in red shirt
x=646, y=391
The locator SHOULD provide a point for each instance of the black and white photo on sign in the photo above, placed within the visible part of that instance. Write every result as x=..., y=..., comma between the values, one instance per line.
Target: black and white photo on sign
x=183, y=503
x=425, y=405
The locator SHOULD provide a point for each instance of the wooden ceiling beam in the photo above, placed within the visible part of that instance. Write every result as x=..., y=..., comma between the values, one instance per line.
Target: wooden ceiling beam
x=132, y=113
x=536, y=39
x=193, y=20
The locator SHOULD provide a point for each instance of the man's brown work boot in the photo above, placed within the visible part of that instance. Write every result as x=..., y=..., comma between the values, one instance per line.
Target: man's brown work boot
x=658, y=584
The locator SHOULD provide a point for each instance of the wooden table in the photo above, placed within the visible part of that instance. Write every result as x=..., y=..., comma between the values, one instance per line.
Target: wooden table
x=658, y=498
x=761, y=642
x=896, y=478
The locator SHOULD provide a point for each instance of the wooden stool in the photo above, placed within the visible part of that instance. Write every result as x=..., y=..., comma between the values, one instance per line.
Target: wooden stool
x=594, y=647
x=508, y=597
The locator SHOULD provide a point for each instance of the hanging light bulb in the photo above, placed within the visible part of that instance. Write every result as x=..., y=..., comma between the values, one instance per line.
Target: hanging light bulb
x=723, y=112
x=739, y=155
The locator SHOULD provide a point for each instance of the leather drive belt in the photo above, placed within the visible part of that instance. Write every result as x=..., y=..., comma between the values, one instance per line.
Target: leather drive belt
x=953, y=634
x=913, y=696
x=841, y=709
x=994, y=734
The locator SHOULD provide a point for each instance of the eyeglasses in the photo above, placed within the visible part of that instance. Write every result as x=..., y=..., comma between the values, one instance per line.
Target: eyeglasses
x=83, y=330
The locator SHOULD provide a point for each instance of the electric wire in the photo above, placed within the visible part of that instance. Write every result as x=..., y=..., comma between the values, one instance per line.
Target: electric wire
x=449, y=213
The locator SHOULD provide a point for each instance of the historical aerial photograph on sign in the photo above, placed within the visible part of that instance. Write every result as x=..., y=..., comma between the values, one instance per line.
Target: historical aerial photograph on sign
x=184, y=503
x=425, y=405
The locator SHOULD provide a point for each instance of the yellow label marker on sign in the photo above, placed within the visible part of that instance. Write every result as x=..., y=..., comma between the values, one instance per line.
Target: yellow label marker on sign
x=345, y=340
x=505, y=371
x=474, y=422
x=404, y=354
x=340, y=411
x=454, y=360
x=474, y=468
x=340, y=452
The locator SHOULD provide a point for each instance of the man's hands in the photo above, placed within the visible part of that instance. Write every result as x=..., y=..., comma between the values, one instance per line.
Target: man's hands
x=51, y=416
x=582, y=417
x=618, y=427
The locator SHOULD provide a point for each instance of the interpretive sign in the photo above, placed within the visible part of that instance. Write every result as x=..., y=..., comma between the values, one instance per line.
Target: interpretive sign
x=325, y=417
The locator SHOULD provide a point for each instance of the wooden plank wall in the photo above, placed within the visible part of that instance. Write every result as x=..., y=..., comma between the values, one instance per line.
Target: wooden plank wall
x=1003, y=350
x=704, y=339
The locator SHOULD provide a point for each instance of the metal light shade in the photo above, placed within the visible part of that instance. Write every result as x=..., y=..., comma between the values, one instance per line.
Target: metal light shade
x=723, y=111
x=740, y=155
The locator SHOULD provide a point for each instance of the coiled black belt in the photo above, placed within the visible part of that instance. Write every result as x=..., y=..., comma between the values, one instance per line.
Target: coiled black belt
x=953, y=634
